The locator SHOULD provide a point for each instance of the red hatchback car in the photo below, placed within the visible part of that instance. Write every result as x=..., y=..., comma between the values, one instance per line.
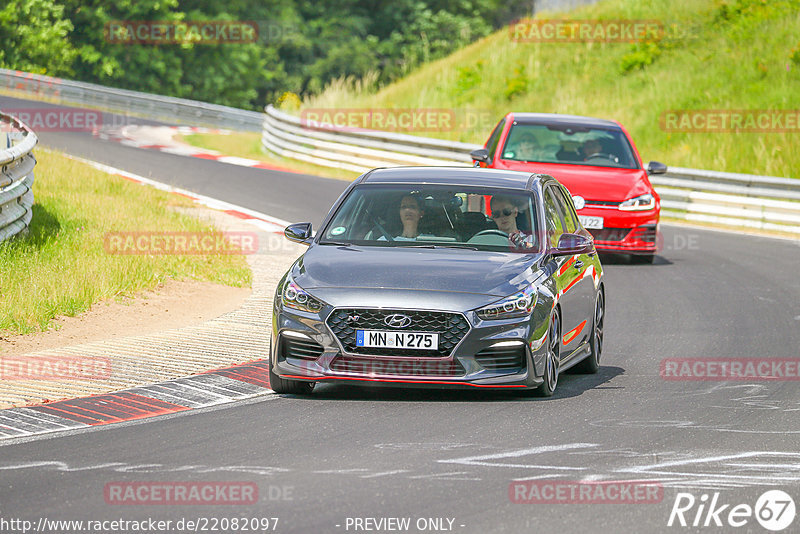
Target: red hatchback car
x=599, y=164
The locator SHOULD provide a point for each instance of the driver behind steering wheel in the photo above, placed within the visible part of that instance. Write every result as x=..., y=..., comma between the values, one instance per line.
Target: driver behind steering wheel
x=590, y=148
x=504, y=213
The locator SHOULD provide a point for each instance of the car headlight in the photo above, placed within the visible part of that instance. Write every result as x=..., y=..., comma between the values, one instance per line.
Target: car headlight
x=517, y=305
x=294, y=296
x=640, y=203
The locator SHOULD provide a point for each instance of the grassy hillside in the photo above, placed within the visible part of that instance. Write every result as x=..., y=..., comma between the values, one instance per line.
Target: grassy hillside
x=719, y=54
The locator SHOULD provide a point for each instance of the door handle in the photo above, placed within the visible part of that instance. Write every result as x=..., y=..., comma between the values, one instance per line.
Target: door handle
x=578, y=264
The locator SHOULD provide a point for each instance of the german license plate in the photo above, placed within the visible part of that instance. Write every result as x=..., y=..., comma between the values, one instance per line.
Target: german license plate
x=389, y=339
x=595, y=223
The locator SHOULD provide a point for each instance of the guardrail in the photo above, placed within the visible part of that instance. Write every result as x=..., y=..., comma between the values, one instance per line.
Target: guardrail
x=16, y=176
x=729, y=199
x=156, y=107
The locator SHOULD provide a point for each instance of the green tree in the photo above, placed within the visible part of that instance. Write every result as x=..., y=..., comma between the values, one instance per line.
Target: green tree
x=34, y=34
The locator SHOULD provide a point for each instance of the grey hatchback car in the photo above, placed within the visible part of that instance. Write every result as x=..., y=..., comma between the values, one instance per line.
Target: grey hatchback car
x=441, y=277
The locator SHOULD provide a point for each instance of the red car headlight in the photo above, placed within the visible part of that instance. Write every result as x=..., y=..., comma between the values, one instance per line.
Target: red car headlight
x=640, y=203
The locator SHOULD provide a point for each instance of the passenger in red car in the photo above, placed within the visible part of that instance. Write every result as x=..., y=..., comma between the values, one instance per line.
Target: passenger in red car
x=528, y=148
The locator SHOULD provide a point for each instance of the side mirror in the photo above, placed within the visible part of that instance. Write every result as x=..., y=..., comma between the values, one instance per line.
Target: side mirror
x=569, y=244
x=656, y=167
x=299, y=233
x=480, y=155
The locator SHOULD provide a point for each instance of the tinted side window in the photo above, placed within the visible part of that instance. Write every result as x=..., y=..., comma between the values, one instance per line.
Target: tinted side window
x=494, y=139
x=555, y=222
x=567, y=209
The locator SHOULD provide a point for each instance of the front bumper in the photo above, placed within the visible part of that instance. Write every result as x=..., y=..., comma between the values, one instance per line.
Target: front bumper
x=629, y=232
x=491, y=354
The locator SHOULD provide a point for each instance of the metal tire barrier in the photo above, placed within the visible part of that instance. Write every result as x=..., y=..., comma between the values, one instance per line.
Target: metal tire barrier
x=729, y=199
x=16, y=176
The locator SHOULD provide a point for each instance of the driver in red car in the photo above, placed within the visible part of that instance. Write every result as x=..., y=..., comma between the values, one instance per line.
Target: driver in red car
x=591, y=147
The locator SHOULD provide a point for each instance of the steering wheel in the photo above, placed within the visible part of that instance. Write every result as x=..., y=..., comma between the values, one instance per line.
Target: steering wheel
x=379, y=226
x=490, y=231
x=610, y=157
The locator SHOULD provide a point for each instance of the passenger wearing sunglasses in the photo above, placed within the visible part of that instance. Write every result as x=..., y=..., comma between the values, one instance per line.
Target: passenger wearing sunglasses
x=504, y=213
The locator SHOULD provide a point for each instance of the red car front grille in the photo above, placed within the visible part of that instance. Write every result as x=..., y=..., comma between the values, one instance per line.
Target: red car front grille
x=645, y=233
x=610, y=234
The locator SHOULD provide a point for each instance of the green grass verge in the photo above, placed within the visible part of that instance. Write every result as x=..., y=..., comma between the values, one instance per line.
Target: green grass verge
x=61, y=267
x=248, y=145
x=721, y=54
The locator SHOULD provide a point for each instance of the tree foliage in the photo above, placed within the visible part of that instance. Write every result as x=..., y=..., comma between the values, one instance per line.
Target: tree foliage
x=302, y=45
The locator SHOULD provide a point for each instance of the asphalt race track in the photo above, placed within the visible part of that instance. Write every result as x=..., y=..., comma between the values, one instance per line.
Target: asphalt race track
x=391, y=453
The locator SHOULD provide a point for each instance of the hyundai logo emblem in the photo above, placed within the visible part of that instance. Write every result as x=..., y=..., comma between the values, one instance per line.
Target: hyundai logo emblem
x=397, y=320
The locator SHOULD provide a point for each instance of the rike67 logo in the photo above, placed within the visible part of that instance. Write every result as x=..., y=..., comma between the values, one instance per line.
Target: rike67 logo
x=774, y=510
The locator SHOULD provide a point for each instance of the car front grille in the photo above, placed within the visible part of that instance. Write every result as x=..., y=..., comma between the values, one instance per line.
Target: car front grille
x=300, y=349
x=610, y=234
x=647, y=233
x=502, y=358
x=602, y=203
x=376, y=367
x=451, y=328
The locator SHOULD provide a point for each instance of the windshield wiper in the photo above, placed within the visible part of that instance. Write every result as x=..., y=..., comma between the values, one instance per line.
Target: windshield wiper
x=466, y=247
x=336, y=243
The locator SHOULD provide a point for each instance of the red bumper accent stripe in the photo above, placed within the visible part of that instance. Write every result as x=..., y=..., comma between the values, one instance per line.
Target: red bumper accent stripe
x=448, y=382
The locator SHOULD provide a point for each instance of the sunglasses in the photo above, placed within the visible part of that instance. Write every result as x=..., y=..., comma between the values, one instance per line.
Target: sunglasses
x=502, y=213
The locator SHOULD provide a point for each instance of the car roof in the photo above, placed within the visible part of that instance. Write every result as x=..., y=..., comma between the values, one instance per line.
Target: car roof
x=557, y=119
x=452, y=176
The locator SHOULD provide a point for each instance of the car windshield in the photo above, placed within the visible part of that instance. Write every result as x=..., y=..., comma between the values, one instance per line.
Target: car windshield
x=575, y=145
x=473, y=218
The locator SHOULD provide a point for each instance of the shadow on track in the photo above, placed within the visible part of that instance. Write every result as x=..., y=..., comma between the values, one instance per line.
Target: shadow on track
x=569, y=385
x=608, y=258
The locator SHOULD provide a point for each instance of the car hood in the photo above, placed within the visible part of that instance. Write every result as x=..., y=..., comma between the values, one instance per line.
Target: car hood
x=432, y=270
x=592, y=183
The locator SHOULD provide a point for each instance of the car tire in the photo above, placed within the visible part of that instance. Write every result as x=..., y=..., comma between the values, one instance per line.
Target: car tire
x=642, y=259
x=591, y=364
x=552, y=357
x=292, y=387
